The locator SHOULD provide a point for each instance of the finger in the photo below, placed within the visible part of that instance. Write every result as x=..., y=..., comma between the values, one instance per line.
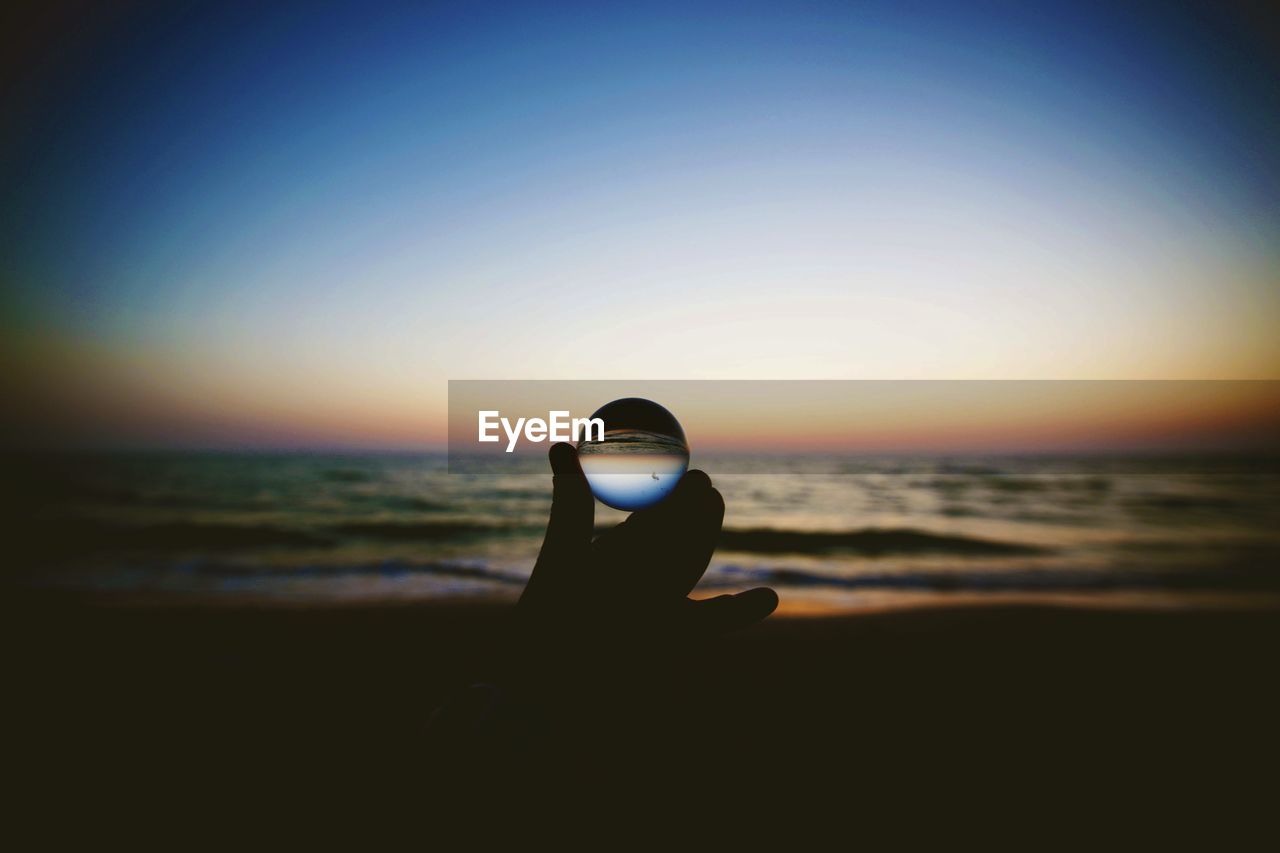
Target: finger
x=568, y=538
x=731, y=612
x=696, y=535
x=572, y=506
x=665, y=550
x=695, y=531
x=685, y=500
x=692, y=485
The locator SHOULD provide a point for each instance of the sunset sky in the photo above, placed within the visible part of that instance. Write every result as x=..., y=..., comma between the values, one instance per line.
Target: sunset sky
x=234, y=228
x=875, y=416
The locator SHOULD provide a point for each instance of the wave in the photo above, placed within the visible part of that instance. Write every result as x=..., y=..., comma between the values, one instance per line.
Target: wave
x=72, y=537
x=88, y=536
x=388, y=569
x=1056, y=580
x=1235, y=577
x=871, y=542
x=426, y=530
x=347, y=475
x=1174, y=503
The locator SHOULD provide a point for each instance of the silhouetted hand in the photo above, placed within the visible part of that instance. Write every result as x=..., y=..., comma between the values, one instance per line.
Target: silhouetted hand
x=602, y=619
x=625, y=592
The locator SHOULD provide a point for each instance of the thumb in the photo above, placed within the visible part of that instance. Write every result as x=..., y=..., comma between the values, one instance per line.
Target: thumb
x=731, y=612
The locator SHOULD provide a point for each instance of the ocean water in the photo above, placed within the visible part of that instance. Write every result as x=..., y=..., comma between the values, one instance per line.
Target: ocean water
x=830, y=533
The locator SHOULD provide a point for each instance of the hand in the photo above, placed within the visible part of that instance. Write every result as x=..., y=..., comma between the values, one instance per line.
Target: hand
x=598, y=615
x=627, y=590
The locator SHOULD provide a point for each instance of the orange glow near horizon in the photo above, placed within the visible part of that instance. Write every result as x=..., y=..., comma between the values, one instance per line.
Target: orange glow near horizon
x=73, y=393
x=915, y=416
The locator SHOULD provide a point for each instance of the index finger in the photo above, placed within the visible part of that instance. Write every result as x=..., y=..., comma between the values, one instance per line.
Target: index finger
x=573, y=507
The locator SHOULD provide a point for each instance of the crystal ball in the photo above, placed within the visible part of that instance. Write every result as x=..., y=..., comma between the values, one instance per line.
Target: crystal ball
x=642, y=457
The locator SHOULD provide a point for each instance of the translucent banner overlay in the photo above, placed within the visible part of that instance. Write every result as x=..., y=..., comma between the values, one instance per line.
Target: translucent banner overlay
x=826, y=427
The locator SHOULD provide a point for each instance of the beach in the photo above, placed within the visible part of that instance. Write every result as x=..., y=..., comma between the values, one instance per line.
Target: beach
x=1069, y=712
x=201, y=633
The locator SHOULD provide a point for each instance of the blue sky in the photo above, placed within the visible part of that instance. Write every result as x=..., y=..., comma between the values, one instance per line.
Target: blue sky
x=241, y=227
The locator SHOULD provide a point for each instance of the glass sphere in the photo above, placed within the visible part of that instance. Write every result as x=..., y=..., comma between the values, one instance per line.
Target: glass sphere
x=642, y=457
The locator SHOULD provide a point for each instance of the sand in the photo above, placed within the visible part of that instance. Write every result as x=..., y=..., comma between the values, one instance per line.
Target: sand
x=1053, y=710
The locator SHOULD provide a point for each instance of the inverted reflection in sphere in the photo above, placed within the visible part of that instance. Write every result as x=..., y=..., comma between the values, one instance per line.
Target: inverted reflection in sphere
x=642, y=457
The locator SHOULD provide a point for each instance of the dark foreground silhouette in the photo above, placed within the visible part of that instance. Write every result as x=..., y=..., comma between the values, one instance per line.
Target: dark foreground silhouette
x=606, y=684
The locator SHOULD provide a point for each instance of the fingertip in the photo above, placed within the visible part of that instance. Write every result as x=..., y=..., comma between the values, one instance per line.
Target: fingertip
x=715, y=501
x=563, y=457
x=764, y=598
x=706, y=509
x=692, y=488
x=732, y=612
x=693, y=481
x=755, y=605
x=695, y=500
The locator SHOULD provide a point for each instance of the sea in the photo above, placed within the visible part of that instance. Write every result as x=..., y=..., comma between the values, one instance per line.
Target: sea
x=829, y=533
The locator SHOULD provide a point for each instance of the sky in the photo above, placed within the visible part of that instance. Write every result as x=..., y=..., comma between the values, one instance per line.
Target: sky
x=887, y=416
x=290, y=227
